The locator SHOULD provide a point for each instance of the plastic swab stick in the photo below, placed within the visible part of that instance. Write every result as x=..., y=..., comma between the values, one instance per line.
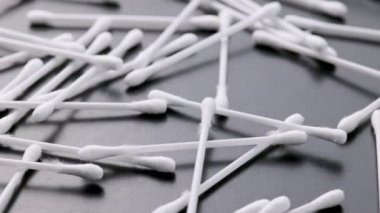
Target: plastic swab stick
x=181, y=202
x=138, y=76
x=264, y=38
x=221, y=98
x=176, y=45
x=87, y=171
x=23, y=56
x=96, y=152
x=277, y=205
x=331, y=8
x=157, y=163
x=67, y=20
x=338, y=30
x=24, y=73
x=334, y=135
x=107, y=62
x=376, y=127
x=32, y=153
x=39, y=40
x=157, y=106
x=208, y=111
x=325, y=201
x=254, y=207
x=47, y=108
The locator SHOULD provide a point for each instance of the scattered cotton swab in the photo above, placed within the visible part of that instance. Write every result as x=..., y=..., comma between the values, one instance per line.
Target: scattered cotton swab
x=254, y=207
x=181, y=202
x=67, y=20
x=221, y=98
x=139, y=76
x=327, y=200
x=334, y=135
x=376, y=127
x=328, y=7
x=176, y=45
x=277, y=205
x=208, y=111
x=32, y=154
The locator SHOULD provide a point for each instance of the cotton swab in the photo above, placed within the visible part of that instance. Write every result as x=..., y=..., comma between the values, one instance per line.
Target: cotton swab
x=67, y=20
x=157, y=163
x=87, y=171
x=327, y=200
x=338, y=30
x=331, y=8
x=24, y=73
x=181, y=202
x=334, y=135
x=23, y=56
x=254, y=207
x=96, y=152
x=180, y=43
x=157, y=106
x=47, y=108
x=277, y=205
x=264, y=38
x=208, y=111
x=375, y=120
x=138, y=76
x=32, y=154
x=221, y=98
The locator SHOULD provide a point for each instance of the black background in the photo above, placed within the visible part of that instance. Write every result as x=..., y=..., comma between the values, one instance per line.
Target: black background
x=261, y=81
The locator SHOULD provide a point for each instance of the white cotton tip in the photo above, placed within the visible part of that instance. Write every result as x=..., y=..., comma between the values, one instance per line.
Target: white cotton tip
x=293, y=137
x=254, y=207
x=334, y=8
x=134, y=37
x=335, y=135
x=108, y=62
x=156, y=163
x=152, y=106
x=87, y=171
x=263, y=38
x=272, y=9
x=92, y=153
x=328, y=200
x=208, y=109
x=315, y=42
x=295, y=118
x=6, y=124
x=375, y=120
x=30, y=67
x=329, y=51
x=174, y=206
x=42, y=112
x=221, y=98
x=39, y=16
x=172, y=100
x=351, y=122
x=65, y=37
x=277, y=205
x=100, y=43
x=207, y=22
x=136, y=77
x=74, y=46
x=32, y=153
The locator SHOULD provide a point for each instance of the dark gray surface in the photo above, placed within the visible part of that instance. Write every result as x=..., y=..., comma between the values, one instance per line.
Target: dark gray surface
x=261, y=81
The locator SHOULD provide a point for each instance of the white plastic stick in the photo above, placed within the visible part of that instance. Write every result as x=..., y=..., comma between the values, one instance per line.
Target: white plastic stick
x=176, y=45
x=208, y=111
x=87, y=171
x=221, y=97
x=46, y=109
x=338, y=30
x=69, y=20
x=254, y=207
x=331, y=8
x=25, y=72
x=32, y=154
x=334, y=135
x=157, y=163
x=96, y=152
x=139, y=76
x=264, y=38
x=376, y=127
x=181, y=202
x=278, y=205
x=327, y=200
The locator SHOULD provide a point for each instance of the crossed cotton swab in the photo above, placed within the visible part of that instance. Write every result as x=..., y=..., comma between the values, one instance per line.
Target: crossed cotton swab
x=139, y=76
x=334, y=135
x=69, y=20
x=32, y=154
x=338, y=30
x=331, y=8
x=157, y=163
x=181, y=202
x=254, y=207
